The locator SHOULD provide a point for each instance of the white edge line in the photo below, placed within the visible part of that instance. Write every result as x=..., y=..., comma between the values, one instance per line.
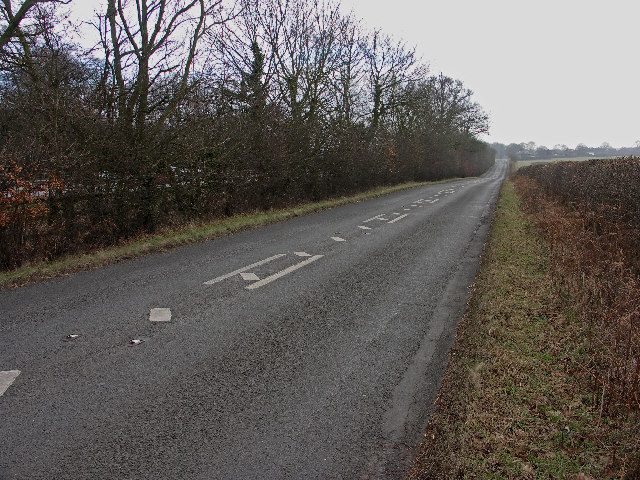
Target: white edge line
x=284, y=272
x=244, y=269
x=6, y=379
x=399, y=218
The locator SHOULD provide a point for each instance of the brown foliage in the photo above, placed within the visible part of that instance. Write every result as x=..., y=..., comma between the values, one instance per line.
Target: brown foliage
x=588, y=212
x=23, y=203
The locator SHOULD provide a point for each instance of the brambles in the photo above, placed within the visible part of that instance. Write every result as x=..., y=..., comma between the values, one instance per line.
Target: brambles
x=590, y=214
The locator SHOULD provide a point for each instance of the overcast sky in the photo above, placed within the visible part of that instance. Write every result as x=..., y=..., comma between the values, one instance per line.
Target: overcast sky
x=547, y=71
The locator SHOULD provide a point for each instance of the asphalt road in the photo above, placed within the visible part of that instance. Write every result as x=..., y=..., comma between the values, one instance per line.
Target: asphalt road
x=308, y=349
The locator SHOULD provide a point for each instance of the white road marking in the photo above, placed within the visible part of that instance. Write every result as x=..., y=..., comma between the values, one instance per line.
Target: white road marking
x=249, y=277
x=244, y=269
x=160, y=315
x=407, y=209
x=284, y=272
x=399, y=218
x=338, y=239
x=397, y=213
x=362, y=227
x=301, y=254
x=6, y=379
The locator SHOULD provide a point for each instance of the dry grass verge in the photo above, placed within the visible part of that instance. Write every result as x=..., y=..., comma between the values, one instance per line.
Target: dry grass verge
x=512, y=404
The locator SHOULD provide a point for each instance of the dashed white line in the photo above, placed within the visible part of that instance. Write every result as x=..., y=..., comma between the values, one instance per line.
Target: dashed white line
x=6, y=379
x=399, y=218
x=284, y=272
x=363, y=227
x=244, y=269
x=160, y=315
x=338, y=239
x=301, y=254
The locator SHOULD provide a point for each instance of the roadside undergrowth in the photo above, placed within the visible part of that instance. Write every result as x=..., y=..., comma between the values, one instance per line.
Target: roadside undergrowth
x=511, y=404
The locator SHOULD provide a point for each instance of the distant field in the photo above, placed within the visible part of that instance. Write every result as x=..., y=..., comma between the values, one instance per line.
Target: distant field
x=526, y=163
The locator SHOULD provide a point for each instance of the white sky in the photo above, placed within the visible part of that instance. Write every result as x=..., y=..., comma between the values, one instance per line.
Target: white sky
x=547, y=71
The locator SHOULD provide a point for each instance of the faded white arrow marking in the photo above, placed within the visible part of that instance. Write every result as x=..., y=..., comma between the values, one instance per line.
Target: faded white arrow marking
x=244, y=269
x=284, y=272
x=249, y=277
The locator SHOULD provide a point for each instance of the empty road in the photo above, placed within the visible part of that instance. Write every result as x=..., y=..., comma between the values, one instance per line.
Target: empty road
x=308, y=349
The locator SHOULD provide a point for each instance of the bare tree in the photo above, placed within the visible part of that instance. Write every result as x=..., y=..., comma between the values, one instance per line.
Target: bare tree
x=303, y=37
x=247, y=60
x=348, y=79
x=454, y=110
x=390, y=66
x=151, y=66
x=13, y=20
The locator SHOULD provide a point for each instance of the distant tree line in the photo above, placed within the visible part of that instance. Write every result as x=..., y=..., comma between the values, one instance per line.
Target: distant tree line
x=193, y=109
x=531, y=151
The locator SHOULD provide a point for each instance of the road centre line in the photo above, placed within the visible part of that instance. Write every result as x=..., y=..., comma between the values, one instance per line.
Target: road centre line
x=377, y=217
x=6, y=379
x=244, y=269
x=284, y=272
x=399, y=218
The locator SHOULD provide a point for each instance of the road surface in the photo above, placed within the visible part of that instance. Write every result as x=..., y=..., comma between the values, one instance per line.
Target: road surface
x=308, y=349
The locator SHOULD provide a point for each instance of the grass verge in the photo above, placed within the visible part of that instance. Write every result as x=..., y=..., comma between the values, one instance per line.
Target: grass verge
x=510, y=405
x=185, y=235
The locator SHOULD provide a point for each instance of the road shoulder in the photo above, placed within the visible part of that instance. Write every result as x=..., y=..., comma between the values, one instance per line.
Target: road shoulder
x=509, y=406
